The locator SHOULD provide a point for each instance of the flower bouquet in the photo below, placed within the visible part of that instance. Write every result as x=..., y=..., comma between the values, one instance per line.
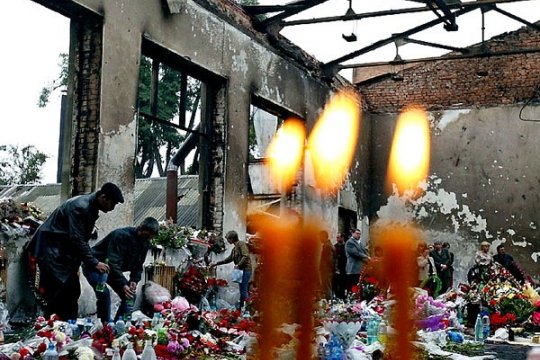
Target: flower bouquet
x=345, y=331
x=192, y=284
x=344, y=321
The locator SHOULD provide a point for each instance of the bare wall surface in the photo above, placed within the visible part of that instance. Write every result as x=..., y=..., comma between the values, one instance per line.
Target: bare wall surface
x=484, y=182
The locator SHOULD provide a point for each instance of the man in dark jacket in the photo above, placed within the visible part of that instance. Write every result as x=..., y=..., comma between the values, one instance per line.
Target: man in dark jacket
x=340, y=261
x=123, y=250
x=443, y=264
x=59, y=246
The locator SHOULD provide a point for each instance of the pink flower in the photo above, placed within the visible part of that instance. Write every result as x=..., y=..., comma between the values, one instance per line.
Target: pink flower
x=536, y=317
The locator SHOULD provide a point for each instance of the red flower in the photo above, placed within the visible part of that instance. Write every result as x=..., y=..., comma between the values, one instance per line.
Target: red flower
x=371, y=280
x=355, y=289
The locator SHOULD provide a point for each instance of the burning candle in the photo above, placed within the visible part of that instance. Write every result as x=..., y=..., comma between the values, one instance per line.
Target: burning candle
x=408, y=166
x=290, y=244
x=332, y=142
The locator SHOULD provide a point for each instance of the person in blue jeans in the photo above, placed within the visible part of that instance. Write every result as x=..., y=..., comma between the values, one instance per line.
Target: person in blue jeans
x=240, y=256
x=123, y=250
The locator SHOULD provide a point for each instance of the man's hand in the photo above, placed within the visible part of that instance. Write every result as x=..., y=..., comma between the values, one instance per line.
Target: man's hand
x=102, y=267
x=443, y=266
x=133, y=286
x=128, y=292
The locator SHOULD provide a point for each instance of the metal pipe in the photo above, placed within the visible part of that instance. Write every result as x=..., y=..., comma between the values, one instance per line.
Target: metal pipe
x=172, y=174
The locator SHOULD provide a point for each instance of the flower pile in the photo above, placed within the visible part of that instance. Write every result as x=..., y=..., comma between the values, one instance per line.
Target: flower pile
x=20, y=215
x=192, y=284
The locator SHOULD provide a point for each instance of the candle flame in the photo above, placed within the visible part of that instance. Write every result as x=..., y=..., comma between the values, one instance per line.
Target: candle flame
x=409, y=157
x=285, y=153
x=333, y=141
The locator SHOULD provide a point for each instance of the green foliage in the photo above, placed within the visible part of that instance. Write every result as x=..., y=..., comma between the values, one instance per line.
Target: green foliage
x=20, y=165
x=521, y=308
x=172, y=236
x=60, y=82
x=153, y=136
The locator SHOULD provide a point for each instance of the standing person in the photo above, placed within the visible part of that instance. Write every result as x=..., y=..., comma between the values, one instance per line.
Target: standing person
x=340, y=262
x=446, y=246
x=60, y=245
x=426, y=270
x=240, y=256
x=326, y=264
x=503, y=258
x=507, y=261
x=357, y=256
x=442, y=261
x=482, y=256
x=124, y=250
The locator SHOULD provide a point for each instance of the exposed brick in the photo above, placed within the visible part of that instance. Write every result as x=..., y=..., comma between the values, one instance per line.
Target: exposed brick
x=447, y=82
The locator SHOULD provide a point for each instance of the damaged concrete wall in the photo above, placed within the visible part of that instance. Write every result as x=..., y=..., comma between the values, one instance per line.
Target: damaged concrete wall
x=484, y=182
x=215, y=36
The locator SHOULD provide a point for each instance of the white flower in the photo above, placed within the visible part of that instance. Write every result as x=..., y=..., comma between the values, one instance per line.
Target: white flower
x=84, y=353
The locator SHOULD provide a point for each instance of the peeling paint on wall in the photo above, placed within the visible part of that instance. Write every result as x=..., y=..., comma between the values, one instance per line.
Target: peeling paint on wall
x=464, y=231
x=448, y=117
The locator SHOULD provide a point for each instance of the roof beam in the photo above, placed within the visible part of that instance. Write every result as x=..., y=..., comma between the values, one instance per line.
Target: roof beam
x=435, y=45
x=442, y=58
x=331, y=68
x=515, y=17
x=272, y=24
x=386, y=12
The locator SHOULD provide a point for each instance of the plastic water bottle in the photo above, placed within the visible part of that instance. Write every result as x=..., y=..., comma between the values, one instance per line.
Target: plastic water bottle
x=155, y=320
x=333, y=349
x=129, y=354
x=485, y=326
x=75, y=333
x=68, y=330
x=102, y=284
x=86, y=333
x=383, y=332
x=50, y=353
x=148, y=352
x=116, y=354
x=372, y=329
x=120, y=326
x=478, y=329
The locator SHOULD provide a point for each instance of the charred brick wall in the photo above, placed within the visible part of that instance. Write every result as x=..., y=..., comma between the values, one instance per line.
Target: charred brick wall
x=508, y=79
x=86, y=107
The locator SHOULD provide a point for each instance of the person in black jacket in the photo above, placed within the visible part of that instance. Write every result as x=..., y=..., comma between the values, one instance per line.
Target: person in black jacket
x=443, y=264
x=59, y=246
x=124, y=250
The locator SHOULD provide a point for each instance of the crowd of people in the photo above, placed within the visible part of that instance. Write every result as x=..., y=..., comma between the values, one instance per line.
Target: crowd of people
x=435, y=263
x=61, y=245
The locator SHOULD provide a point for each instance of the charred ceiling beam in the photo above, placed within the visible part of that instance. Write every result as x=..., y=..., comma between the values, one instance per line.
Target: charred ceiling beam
x=272, y=24
x=447, y=16
x=443, y=58
x=331, y=68
x=515, y=17
x=385, y=12
x=435, y=45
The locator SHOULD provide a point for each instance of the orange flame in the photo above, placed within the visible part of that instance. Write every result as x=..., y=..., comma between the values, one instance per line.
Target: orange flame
x=409, y=157
x=285, y=152
x=333, y=141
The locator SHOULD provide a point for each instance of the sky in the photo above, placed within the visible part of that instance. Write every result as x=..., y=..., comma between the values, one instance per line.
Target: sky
x=34, y=37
